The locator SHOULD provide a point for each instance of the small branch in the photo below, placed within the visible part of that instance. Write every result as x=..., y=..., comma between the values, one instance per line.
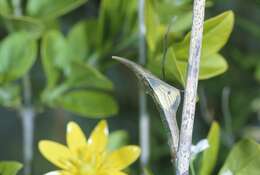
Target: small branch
x=227, y=114
x=183, y=155
x=205, y=112
x=27, y=112
x=17, y=7
x=144, y=120
x=27, y=115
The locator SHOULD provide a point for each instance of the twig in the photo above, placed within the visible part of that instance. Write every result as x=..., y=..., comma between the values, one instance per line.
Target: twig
x=144, y=120
x=17, y=7
x=205, y=112
x=183, y=155
x=27, y=111
x=227, y=114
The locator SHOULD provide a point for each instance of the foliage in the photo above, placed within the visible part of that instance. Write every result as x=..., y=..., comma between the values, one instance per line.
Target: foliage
x=243, y=159
x=66, y=47
x=209, y=156
x=9, y=167
x=216, y=33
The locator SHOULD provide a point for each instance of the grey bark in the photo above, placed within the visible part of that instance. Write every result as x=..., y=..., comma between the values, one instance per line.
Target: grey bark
x=144, y=120
x=188, y=113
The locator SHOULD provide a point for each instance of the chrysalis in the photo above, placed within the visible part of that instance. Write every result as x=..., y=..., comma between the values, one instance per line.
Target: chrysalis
x=166, y=97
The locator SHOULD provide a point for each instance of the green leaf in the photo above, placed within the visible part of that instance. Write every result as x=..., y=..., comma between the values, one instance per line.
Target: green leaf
x=5, y=8
x=85, y=76
x=183, y=22
x=147, y=171
x=9, y=167
x=116, y=19
x=244, y=159
x=46, y=9
x=209, y=156
x=24, y=23
x=152, y=25
x=212, y=66
x=10, y=95
x=173, y=69
x=117, y=139
x=77, y=40
x=17, y=54
x=88, y=103
x=209, y=67
x=216, y=33
x=54, y=56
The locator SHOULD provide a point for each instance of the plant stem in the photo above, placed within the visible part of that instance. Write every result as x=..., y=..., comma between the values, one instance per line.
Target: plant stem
x=208, y=117
x=144, y=120
x=27, y=111
x=193, y=172
x=183, y=154
x=227, y=114
x=28, y=115
x=17, y=7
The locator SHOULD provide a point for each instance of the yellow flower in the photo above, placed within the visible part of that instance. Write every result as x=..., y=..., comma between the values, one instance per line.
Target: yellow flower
x=88, y=156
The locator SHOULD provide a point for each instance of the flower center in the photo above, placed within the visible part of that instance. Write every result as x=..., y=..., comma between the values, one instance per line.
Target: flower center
x=85, y=163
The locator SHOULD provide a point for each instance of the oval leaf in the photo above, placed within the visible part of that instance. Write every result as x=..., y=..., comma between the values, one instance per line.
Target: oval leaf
x=244, y=159
x=51, y=9
x=88, y=103
x=216, y=33
x=17, y=55
x=209, y=156
x=9, y=167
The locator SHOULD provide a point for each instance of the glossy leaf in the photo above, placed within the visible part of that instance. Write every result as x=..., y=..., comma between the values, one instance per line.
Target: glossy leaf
x=77, y=41
x=53, y=51
x=244, y=159
x=147, y=171
x=152, y=25
x=85, y=76
x=117, y=18
x=172, y=69
x=5, y=7
x=209, y=156
x=216, y=33
x=24, y=23
x=175, y=70
x=209, y=67
x=212, y=66
x=88, y=103
x=9, y=167
x=10, y=95
x=17, y=55
x=51, y=9
x=117, y=139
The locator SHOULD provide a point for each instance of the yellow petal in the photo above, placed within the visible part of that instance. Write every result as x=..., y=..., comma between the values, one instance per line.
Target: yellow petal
x=55, y=153
x=75, y=137
x=122, y=158
x=117, y=173
x=98, y=138
x=57, y=173
x=110, y=172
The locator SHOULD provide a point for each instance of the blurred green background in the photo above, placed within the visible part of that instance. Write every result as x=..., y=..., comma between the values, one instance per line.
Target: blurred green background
x=240, y=85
